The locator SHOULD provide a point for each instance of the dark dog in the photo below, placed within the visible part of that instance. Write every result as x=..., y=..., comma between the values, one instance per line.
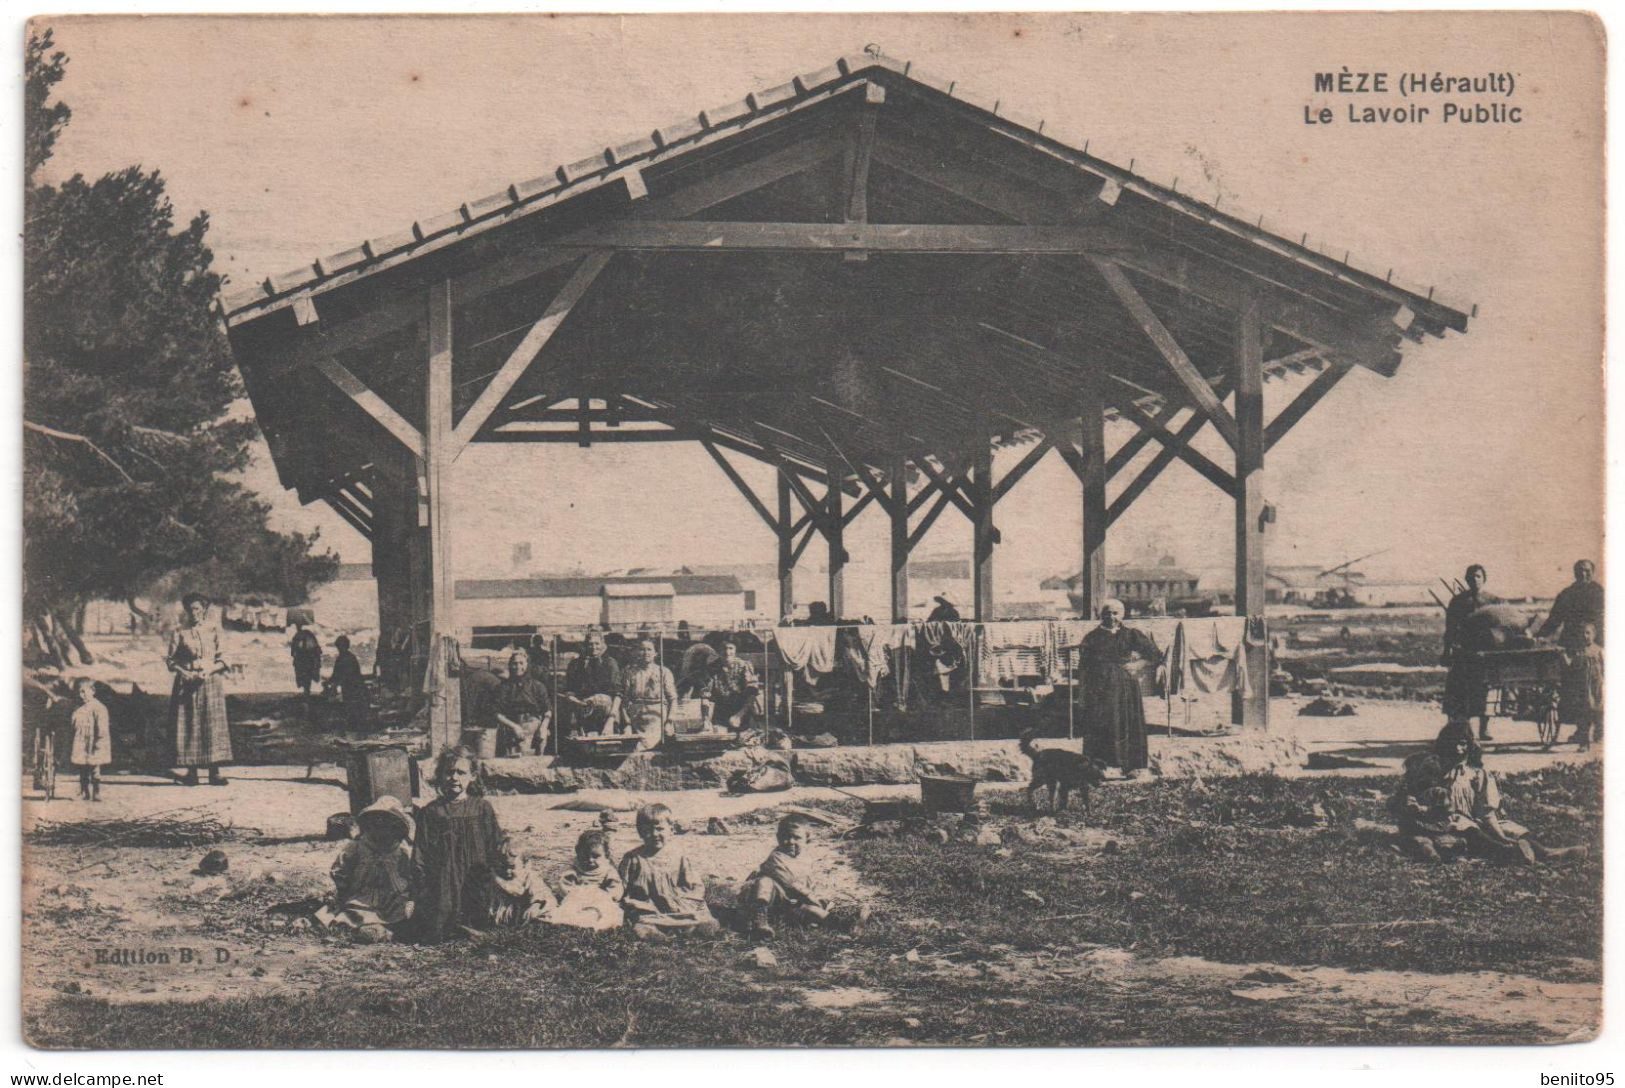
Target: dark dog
x=1061, y=772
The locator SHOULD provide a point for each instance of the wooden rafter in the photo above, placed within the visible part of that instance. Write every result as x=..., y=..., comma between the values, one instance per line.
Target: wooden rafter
x=1221, y=479
x=349, y=516
x=1022, y=467
x=710, y=237
x=370, y=402
x=739, y=482
x=525, y=353
x=1306, y=399
x=1178, y=362
x=951, y=485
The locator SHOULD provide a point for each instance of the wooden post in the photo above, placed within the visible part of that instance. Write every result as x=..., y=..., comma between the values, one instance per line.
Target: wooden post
x=1251, y=711
x=445, y=709
x=394, y=506
x=787, y=563
x=899, y=539
x=983, y=533
x=836, y=535
x=1092, y=585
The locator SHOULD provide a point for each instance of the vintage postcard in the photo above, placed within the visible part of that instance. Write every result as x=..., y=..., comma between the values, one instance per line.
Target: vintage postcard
x=755, y=531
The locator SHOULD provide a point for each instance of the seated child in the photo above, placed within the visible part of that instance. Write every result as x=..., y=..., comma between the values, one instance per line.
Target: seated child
x=663, y=896
x=372, y=876
x=593, y=889
x=785, y=888
x=92, y=744
x=467, y=876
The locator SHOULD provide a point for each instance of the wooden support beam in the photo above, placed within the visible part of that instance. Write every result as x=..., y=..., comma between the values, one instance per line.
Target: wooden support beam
x=923, y=496
x=983, y=533
x=1093, y=588
x=861, y=470
x=835, y=534
x=860, y=150
x=1127, y=452
x=1178, y=362
x=1198, y=461
x=852, y=512
x=579, y=435
x=739, y=482
x=1252, y=709
x=786, y=536
x=951, y=486
x=801, y=545
x=350, y=517
x=1306, y=399
x=898, y=510
x=370, y=402
x=1165, y=456
x=1022, y=467
x=926, y=522
x=445, y=708
x=525, y=352
x=709, y=237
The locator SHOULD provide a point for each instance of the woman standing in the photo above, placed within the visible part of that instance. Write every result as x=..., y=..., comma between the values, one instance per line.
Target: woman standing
x=1115, y=716
x=197, y=702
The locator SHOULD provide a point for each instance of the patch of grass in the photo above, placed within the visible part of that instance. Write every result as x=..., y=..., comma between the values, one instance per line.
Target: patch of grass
x=1209, y=870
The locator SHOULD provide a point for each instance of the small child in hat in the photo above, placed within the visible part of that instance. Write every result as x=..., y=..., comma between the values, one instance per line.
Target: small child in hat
x=593, y=888
x=372, y=875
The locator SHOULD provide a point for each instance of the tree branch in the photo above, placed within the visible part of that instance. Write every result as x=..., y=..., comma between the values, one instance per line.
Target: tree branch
x=64, y=436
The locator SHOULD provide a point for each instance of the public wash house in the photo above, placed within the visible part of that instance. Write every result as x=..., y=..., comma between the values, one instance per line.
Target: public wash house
x=867, y=277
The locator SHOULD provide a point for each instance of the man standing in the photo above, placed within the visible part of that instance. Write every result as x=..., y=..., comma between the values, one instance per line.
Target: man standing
x=591, y=691
x=729, y=696
x=1578, y=605
x=521, y=707
x=648, y=696
x=1464, y=691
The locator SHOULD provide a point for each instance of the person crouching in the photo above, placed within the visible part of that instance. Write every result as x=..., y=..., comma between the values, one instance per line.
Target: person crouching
x=372, y=876
x=785, y=888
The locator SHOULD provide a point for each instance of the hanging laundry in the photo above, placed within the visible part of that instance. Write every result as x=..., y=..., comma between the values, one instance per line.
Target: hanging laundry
x=1008, y=652
x=810, y=648
x=943, y=652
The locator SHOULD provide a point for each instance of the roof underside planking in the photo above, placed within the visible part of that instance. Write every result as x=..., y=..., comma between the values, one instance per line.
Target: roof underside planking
x=862, y=265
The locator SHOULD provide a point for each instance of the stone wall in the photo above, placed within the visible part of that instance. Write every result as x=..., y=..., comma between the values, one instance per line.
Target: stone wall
x=885, y=764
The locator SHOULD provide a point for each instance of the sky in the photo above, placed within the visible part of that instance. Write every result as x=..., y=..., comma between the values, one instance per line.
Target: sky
x=302, y=136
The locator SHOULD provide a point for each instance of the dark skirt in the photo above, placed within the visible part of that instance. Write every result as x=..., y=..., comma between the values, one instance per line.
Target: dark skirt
x=1465, y=692
x=1114, y=731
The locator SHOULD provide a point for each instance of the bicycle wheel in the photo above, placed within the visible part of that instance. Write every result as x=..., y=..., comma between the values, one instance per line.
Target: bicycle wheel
x=1549, y=724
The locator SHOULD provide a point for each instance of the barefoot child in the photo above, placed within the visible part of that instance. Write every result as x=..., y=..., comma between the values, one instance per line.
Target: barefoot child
x=664, y=898
x=467, y=876
x=786, y=888
x=92, y=746
x=372, y=876
x=593, y=889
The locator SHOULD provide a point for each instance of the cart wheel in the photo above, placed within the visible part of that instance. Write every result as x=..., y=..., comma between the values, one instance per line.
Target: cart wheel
x=1549, y=726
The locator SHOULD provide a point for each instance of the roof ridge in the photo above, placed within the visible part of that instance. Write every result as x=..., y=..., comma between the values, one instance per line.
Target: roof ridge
x=617, y=160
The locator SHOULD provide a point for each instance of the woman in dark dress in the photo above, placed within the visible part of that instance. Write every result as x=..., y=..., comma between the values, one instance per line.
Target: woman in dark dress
x=1114, y=730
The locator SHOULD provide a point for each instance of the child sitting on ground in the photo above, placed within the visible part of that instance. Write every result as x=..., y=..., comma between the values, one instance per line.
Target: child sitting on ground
x=786, y=888
x=468, y=878
x=663, y=896
x=92, y=745
x=593, y=889
x=372, y=876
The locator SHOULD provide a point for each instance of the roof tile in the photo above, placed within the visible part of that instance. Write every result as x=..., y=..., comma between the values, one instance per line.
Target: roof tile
x=946, y=86
x=241, y=297
x=439, y=224
x=721, y=115
x=287, y=281
x=581, y=168
x=811, y=81
x=633, y=149
x=389, y=243
x=486, y=205
x=773, y=96
x=679, y=131
x=341, y=260
x=527, y=190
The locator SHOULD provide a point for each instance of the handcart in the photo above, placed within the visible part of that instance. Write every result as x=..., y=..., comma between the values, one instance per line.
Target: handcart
x=1524, y=685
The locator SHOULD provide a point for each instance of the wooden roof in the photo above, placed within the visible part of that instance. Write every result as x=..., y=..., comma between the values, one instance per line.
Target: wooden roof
x=723, y=278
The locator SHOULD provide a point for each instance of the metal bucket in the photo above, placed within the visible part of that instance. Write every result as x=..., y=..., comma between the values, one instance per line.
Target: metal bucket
x=380, y=772
x=947, y=793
